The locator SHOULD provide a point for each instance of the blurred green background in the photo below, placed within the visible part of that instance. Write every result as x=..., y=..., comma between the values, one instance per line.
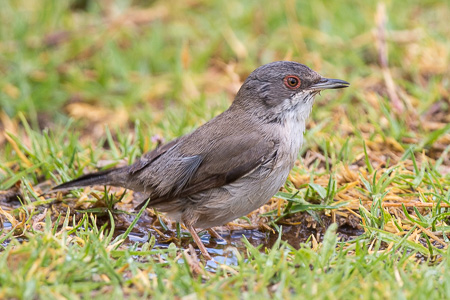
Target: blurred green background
x=142, y=56
x=172, y=65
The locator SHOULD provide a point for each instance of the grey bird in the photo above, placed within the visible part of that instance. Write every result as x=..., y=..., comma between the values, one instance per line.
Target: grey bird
x=232, y=164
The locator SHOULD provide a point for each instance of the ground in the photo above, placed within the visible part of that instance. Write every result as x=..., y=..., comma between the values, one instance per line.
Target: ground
x=89, y=85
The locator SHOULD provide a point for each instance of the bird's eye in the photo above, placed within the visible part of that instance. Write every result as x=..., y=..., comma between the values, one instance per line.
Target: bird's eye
x=292, y=82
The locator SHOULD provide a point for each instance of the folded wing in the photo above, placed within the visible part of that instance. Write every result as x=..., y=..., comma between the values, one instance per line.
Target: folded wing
x=181, y=169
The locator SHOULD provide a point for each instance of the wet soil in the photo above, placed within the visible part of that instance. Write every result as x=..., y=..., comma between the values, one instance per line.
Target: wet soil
x=223, y=250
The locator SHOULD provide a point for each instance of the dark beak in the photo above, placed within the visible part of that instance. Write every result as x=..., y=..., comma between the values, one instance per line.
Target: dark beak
x=328, y=83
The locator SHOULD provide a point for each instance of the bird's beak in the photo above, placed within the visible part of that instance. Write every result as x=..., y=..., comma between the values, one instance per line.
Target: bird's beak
x=328, y=83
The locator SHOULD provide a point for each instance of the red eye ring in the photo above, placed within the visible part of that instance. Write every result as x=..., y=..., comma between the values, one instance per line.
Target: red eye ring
x=292, y=82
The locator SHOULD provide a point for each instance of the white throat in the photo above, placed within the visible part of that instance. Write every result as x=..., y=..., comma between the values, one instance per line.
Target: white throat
x=296, y=111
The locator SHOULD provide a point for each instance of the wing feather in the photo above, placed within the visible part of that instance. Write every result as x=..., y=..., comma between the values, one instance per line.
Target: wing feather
x=185, y=169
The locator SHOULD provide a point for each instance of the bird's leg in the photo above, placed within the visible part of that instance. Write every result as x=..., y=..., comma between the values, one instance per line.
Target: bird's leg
x=214, y=233
x=198, y=241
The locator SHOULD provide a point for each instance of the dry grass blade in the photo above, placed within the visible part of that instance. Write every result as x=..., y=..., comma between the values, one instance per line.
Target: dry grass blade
x=380, y=20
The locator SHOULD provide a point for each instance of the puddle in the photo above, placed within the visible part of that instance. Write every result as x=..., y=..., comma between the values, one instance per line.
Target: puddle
x=224, y=251
x=227, y=250
x=6, y=225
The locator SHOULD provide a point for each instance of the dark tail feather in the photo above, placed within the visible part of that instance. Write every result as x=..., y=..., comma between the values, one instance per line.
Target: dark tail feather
x=107, y=177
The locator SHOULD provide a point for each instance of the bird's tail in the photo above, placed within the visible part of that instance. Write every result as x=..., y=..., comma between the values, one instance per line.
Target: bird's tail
x=115, y=177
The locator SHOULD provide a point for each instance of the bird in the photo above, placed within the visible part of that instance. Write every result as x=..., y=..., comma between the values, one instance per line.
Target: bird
x=232, y=164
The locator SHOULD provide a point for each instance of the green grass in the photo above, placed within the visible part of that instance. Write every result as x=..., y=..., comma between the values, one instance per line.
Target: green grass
x=80, y=262
x=93, y=86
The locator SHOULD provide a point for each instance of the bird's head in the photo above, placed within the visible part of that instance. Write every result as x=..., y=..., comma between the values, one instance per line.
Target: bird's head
x=276, y=90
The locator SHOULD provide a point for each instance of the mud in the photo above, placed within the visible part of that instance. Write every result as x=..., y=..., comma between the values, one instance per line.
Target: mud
x=223, y=250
